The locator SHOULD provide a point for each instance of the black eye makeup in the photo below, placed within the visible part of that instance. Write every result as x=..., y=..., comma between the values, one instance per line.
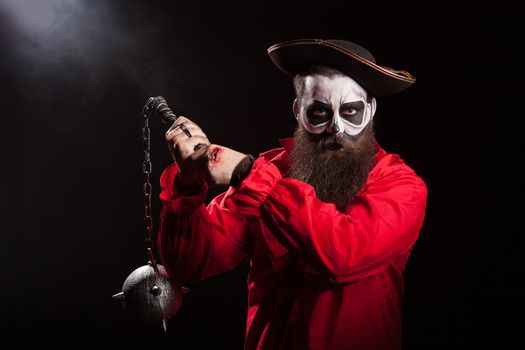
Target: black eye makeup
x=319, y=112
x=352, y=112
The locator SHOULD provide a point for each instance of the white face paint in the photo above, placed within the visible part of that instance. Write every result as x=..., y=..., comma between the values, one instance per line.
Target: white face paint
x=335, y=105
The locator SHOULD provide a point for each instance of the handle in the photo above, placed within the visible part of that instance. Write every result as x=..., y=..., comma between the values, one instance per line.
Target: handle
x=158, y=106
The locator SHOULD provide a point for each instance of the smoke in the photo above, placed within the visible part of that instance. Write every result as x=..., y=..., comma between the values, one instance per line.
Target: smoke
x=83, y=45
x=36, y=15
x=68, y=56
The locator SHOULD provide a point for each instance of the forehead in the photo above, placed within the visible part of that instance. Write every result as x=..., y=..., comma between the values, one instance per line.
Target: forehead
x=338, y=87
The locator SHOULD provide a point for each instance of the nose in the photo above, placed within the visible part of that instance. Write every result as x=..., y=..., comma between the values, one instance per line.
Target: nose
x=336, y=126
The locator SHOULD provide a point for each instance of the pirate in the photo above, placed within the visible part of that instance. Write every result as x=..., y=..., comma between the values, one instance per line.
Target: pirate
x=328, y=220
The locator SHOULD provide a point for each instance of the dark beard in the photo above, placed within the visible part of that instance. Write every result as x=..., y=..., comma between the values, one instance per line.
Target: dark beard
x=337, y=175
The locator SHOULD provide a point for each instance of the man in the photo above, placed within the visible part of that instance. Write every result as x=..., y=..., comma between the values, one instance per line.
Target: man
x=328, y=220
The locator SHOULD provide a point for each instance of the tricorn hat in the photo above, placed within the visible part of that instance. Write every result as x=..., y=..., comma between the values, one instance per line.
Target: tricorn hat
x=296, y=56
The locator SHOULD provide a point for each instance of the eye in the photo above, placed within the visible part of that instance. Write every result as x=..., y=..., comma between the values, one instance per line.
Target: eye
x=319, y=112
x=352, y=112
x=349, y=111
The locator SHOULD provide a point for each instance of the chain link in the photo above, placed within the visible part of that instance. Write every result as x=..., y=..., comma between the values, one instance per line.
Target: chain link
x=154, y=106
x=147, y=189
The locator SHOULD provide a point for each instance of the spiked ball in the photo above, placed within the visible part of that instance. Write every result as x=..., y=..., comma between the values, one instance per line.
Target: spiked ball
x=149, y=295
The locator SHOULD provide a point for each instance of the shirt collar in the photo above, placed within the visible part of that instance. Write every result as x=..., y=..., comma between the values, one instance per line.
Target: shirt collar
x=287, y=143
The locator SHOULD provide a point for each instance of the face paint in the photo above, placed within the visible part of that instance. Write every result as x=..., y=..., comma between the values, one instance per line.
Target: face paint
x=335, y=105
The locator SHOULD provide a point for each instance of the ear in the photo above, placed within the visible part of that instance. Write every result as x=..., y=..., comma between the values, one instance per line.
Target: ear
x=373, y=106
x=296, y=108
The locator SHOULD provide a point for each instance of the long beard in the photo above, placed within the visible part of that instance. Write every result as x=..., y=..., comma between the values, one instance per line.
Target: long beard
x=337, y=175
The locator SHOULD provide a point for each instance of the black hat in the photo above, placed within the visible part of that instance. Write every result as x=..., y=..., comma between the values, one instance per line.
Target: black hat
x=296, y=56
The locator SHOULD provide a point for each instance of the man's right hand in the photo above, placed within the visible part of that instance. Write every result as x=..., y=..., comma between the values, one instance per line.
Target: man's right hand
x=182, y=148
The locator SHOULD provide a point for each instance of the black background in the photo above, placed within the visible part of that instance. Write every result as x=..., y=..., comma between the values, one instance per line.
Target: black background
x=71, y=179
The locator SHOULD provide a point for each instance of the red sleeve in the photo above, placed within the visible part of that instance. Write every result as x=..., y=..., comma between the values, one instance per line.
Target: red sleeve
x=382, y=223
x=196, y=241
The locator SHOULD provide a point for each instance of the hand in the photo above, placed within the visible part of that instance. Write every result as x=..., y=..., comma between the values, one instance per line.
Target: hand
x=220, y=163
x=184, y=152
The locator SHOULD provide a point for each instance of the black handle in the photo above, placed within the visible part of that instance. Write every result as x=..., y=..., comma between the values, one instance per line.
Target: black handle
x=158, y=106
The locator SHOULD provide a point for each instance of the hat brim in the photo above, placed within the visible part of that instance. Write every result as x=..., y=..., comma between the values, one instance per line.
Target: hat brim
x=293, y=57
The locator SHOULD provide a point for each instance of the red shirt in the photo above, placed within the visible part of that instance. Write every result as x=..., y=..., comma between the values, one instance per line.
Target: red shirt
x=319, y=278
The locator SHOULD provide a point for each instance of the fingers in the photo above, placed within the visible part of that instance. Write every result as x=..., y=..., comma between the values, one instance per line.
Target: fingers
x=191, y=129
x=178, y=121
x=182, y=146
x=183, y=142
x=181, y=120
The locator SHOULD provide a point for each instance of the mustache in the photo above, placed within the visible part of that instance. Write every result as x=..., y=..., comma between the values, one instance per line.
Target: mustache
x=328, y=142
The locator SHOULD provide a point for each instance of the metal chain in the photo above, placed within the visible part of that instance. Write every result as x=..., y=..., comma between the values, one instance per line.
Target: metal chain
x=146, y=169
x=154, y=106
